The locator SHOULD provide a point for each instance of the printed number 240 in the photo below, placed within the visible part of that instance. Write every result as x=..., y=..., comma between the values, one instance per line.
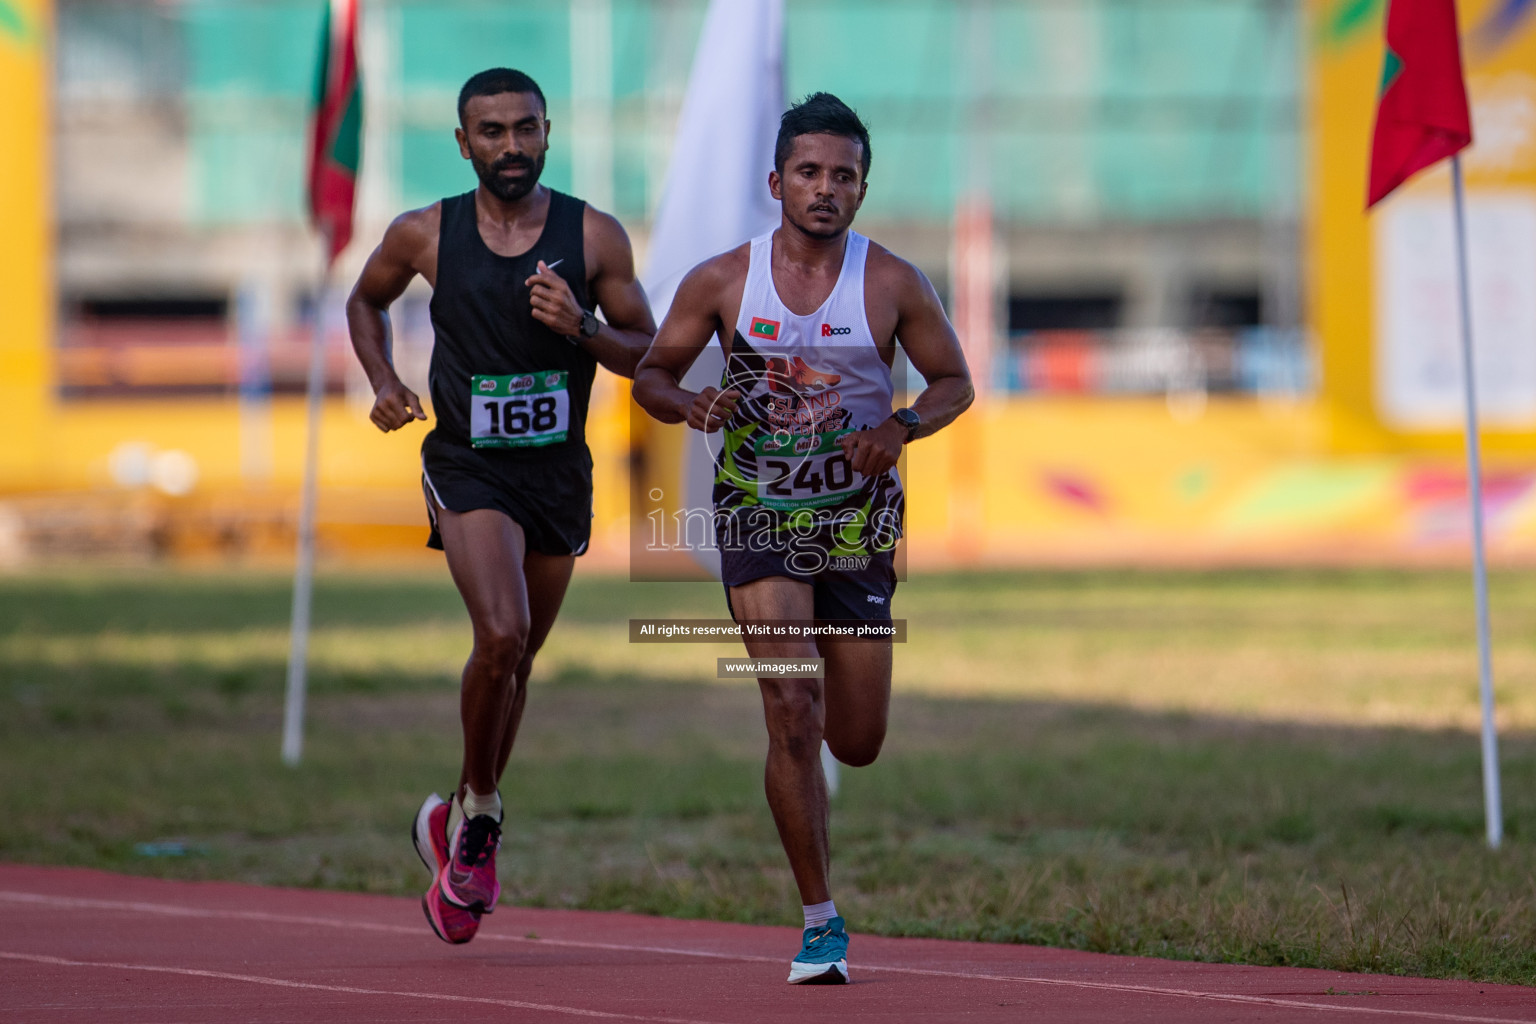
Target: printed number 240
x=838, y=476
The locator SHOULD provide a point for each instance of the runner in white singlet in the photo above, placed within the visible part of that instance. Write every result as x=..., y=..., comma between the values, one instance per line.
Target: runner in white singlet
x=807, y=502
x=805, y=382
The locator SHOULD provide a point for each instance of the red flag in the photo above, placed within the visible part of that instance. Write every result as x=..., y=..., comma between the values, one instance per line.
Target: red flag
x=336, y=139
x=1421, y=113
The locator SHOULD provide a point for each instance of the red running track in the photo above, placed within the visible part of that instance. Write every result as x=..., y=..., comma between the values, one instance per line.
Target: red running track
x=81, y=945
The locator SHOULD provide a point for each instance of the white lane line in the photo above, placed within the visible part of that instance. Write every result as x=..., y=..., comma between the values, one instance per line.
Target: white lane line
x=256, y=979
x=1228, y=997
x=171, y=910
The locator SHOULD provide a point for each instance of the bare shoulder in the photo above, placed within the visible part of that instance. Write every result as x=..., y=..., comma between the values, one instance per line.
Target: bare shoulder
x=409, y=248
x=414, y=232
x=722, y=271
x=711, y=288
x=602, y=229
x=899, y=299
x=892, y=275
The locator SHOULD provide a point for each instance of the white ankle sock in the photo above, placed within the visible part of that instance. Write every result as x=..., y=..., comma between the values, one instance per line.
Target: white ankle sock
x=476, y=805
x=819, y=914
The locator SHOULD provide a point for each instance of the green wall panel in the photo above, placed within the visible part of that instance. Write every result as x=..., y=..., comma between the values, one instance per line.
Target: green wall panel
x=253, y=49
x=1091, y=109
x=442, y=44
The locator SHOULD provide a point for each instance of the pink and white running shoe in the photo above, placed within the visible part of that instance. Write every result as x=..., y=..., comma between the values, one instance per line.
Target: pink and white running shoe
x=468, y=880
x=429, y=833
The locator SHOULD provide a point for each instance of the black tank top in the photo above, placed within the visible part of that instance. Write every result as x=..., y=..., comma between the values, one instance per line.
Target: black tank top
x=483, y=323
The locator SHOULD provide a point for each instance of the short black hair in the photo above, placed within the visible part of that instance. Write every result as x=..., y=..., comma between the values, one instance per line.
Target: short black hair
x=820, y=113
x=494, y=82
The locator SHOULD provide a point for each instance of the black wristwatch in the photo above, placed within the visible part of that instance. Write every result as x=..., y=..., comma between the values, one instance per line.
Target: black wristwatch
x=588, y=329
x=909, y=419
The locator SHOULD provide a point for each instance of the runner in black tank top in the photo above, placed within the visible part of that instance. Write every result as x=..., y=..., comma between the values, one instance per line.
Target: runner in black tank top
x=483, y=323
x=516, y=271
x=484, y=327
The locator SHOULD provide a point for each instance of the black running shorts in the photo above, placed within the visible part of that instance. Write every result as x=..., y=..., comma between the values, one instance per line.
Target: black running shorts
x=550, y=500
x=843, y=587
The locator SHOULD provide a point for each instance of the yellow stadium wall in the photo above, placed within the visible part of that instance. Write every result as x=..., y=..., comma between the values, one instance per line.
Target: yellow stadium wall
x=26, y=285
x=1239, y=481
x=1077, y=481
x=1041, y=481
x=370, y=492
x=1343, y=264
x=1021, y=481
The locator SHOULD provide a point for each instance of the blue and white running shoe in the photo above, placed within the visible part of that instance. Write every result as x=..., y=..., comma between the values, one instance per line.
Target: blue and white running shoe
x=823, y=958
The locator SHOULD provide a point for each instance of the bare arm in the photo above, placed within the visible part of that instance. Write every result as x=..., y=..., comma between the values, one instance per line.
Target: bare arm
x=928, y=339
x=932, y=348
x=390, y=267
x=620, y=342
x=694, y=318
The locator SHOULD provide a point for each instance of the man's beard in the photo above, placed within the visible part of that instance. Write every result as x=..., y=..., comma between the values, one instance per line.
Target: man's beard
x=508, y=190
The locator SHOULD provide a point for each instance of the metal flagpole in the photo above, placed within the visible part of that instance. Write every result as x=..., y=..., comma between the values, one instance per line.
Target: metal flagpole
x=304, y=570
x=1492, y=804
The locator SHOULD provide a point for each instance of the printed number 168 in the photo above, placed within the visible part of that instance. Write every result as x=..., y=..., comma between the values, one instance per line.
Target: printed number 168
x=512, y=417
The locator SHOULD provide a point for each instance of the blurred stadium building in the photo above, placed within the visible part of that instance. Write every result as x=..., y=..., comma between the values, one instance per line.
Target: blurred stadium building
x=1141, y=162
x=1121, y=186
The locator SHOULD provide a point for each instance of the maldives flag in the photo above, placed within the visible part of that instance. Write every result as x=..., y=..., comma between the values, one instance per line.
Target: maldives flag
x=1421, y=113
x=336, y=136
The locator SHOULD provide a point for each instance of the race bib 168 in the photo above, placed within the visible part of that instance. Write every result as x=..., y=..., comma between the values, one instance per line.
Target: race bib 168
x=522, y=410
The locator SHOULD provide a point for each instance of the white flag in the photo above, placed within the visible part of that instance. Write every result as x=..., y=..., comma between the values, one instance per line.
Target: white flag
x=716, y=196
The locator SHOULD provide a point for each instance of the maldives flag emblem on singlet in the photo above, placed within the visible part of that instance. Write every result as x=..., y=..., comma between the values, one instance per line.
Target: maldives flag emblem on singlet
x=764, y=328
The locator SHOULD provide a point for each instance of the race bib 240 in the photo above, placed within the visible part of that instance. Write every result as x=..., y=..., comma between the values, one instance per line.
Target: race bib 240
x=804, y=471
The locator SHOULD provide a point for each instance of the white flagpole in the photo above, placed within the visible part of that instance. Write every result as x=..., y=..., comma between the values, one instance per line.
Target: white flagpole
x=1492, y=804
x=304, y=570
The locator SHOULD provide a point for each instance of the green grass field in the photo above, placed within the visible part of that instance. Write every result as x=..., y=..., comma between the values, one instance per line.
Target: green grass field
x=1262, y=767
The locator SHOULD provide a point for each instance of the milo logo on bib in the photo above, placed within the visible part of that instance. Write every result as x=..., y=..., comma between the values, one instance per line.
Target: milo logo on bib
x=525, y=410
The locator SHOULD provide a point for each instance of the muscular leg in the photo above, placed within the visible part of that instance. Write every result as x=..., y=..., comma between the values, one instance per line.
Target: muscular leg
x=858, y=698
x=795, y=715
x=486, y=552
x=547, y=577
